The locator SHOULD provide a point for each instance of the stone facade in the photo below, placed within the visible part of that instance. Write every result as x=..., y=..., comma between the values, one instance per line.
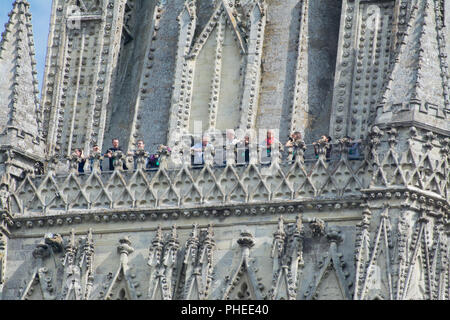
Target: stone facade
x=374, y=227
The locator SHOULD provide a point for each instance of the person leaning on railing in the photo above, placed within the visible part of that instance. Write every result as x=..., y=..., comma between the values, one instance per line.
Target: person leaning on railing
x=294, y=144
x=110, y=154
x=243, y=151
x=324, y=141
x=80, y=159
x=155, y=159
x=96, y=153
x=230, y=146
x=198, y=150
x=269, y=143
x=140, y=151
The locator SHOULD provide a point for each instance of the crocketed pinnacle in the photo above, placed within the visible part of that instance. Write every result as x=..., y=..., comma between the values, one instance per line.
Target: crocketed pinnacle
x=19, y=91
x=420, y=72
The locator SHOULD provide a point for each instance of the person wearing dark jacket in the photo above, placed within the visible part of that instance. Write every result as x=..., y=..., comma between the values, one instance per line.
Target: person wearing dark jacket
x=110, y=154
x=81, y=160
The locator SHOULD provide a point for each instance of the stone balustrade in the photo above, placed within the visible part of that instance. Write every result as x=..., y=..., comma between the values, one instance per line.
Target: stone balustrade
x=189, y=186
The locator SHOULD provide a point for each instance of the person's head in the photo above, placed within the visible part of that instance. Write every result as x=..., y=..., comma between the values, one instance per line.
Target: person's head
x=247, y=139
x=78, y=152
x=269, y=134
x=205, y=140
x=230, y=134
x=96, y=148
x=140, y=144
x=115, y=142
x=329, y=139
x=297, y=135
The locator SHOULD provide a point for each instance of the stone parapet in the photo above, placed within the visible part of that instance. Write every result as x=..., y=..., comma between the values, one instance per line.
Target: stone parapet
x=188, y=188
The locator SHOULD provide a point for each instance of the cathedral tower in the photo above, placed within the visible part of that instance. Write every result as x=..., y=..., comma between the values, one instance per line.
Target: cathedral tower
x=363, y=219
x=84, y=43
x=406, y=254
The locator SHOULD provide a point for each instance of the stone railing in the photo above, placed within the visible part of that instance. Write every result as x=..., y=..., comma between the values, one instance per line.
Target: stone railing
x=191, y=187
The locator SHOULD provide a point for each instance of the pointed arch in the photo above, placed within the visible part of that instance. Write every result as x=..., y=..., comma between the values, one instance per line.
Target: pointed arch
x=243, y=283
x=377, y=276
x=121, y=287
x=330, y=283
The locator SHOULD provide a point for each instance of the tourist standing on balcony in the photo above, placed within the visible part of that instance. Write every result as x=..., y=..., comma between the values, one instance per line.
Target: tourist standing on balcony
x=110, y=154
x=80, y=159
x=155, y=159
x=230, y=145
x=198, y=150
x=293, y=144
x=140, y=151
x=326, y=142
x=95, y=151
x=243, y=151
x=269, y=143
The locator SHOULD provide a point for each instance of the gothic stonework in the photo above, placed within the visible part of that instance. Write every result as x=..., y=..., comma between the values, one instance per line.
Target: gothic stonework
x=317, y=227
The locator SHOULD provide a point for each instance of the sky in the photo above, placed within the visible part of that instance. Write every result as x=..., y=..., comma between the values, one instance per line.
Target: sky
x=40, y=12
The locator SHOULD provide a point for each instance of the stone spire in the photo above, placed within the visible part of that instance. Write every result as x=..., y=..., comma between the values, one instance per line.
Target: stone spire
x=417, y=92
x=19, y=86
x=20, y=118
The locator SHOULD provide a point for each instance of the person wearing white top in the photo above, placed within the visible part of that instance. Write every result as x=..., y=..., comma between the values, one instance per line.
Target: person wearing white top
x=199, y=149
x=230, y=146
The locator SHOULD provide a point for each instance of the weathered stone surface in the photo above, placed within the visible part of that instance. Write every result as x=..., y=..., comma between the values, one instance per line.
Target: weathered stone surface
x=319, y=227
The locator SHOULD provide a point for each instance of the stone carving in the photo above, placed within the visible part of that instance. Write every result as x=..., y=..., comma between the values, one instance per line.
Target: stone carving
x=385, y=276
x=122, y=286
x=21, y=123
x=330, y=282
x=72, y=259
x=38, y=169
x=4, y=196
x=243, y=283
x=3, y=245
x=317, y=227
x=287, y=255
x=78, y=268
x=226, y=23
x=198, y=264
x=41, y=284
x=163, y=263
x=89, y=6
x=119, y=159
x=181, y=187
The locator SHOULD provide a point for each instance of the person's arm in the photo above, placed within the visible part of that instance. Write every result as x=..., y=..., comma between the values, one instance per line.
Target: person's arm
x=195, y=148
x=280, y=146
